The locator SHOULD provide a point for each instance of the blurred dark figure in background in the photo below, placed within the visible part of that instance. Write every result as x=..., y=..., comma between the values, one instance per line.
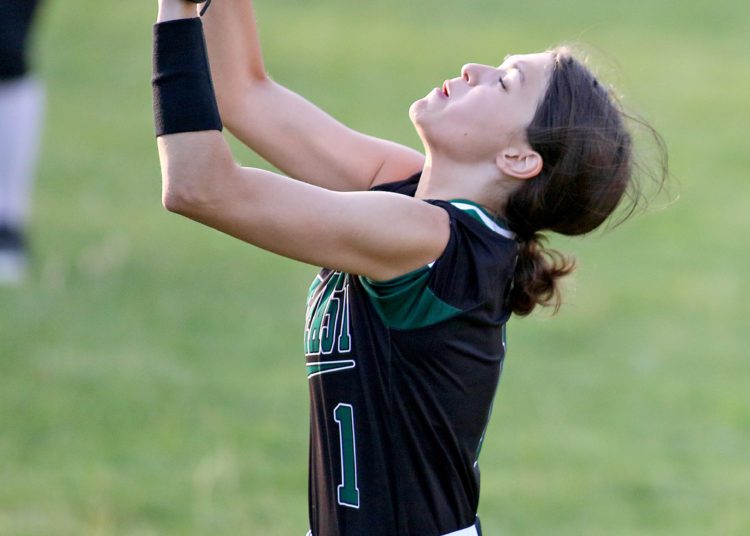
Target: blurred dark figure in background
x=21, y=106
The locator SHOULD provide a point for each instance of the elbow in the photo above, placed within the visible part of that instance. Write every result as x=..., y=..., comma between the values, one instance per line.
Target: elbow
x=171, y=200
x=175, y=197
x=229, y=93
x=191, y=194
x=244, y=102
x=195, y=168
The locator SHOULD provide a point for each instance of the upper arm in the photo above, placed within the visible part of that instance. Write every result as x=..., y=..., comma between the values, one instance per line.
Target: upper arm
x=377, y=234
x=308, y=144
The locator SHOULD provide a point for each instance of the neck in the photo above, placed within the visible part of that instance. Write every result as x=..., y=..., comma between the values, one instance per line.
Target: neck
x=446, y=179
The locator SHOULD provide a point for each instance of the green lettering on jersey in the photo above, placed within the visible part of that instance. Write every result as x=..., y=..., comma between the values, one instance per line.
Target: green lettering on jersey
x=328, y=325
x=348, y=492
x=327, y=319
x=345, y=340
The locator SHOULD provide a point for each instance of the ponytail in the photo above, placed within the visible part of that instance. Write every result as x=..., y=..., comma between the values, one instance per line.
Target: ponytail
x=586, y=150
x=537, y=272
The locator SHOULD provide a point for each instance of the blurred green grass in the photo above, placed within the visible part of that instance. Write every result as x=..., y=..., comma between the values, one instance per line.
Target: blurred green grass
x=151, y=376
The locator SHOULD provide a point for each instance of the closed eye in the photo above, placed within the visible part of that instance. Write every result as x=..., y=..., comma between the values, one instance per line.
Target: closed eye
x=502, y=83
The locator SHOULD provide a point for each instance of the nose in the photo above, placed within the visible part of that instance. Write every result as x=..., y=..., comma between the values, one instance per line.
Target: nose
x=469, y=73
x=473, y=73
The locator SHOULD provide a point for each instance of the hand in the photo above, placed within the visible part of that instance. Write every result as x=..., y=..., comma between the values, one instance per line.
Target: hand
x=208, y=2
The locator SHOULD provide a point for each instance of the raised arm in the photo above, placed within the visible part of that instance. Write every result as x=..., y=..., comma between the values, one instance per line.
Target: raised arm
x=381, y=235
x=378, y=234
x=288, y=131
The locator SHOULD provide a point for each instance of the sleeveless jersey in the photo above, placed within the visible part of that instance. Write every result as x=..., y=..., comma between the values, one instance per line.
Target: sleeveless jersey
x=402, y=377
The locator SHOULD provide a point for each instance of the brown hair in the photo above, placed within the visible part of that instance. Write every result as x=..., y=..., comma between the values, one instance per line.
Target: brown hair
x=579, y=130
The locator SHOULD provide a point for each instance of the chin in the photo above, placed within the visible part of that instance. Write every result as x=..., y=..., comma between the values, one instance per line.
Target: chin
x=416, y=110
x=421, y=113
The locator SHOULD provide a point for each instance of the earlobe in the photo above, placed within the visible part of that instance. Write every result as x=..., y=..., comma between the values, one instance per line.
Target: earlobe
x=519, y=164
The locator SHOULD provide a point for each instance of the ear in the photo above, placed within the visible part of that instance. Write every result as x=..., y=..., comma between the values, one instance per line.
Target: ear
x=520, y=163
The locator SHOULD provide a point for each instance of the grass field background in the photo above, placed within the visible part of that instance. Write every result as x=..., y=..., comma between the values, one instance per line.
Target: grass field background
x=151, y=370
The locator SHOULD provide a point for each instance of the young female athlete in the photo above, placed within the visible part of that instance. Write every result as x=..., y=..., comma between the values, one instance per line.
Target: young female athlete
x=425, y=256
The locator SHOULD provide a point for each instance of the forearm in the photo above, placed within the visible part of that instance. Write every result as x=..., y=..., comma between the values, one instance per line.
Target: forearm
x=193, y=154
x=287, y=130
x=352, y=232
x=234, y=50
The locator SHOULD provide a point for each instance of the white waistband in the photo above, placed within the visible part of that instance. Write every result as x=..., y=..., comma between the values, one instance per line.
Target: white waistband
x=468, y=531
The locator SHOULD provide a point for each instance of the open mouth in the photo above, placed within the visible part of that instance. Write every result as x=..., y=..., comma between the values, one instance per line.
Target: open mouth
x=446, y=91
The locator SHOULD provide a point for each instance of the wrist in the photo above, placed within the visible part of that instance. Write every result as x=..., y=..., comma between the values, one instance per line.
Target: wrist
x=175, y=9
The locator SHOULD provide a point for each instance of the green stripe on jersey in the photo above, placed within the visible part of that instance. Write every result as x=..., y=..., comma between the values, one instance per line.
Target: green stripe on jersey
x=406, y=302
x=481, y=214
x=313, y=369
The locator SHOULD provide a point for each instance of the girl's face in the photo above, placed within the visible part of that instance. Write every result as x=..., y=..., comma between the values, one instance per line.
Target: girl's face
x=485, y=110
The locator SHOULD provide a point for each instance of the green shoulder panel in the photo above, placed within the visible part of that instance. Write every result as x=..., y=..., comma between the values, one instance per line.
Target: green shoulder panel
x=406, y=302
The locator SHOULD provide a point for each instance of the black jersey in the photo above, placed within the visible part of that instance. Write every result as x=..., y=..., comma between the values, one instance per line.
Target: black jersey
x=402, y=376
